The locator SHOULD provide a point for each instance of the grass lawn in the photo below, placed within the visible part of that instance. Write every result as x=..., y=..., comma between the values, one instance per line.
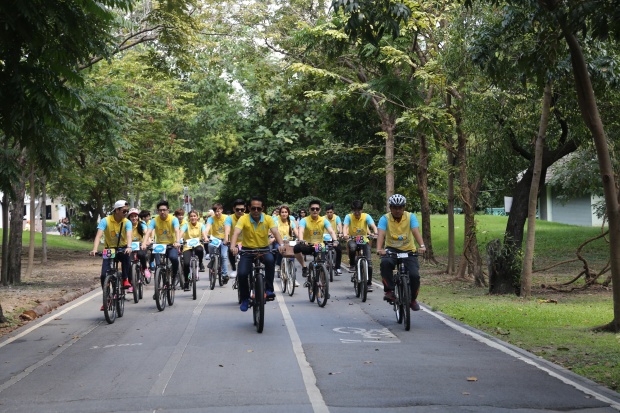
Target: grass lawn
x=55, y=241
x=551, y=324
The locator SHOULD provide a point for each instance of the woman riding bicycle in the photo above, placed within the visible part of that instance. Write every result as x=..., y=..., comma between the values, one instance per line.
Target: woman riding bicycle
x=287, y=229
x=138, y=232
x=192, y=229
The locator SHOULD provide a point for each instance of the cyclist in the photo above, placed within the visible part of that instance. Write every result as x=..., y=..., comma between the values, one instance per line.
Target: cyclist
x=336, y=223
x=191, y=229
x=145, y=217
x=180, y=215
x=111, y=228
x=166, y=229
x=357, y=224
x=288, y=231
x=138, y=231
x=311, y=230
x=301, y=215
x=395, y=229
x=255, y=229
x=231, y=221
x=215, y=227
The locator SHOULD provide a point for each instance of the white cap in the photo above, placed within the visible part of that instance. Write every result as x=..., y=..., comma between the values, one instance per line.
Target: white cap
x=120, y=203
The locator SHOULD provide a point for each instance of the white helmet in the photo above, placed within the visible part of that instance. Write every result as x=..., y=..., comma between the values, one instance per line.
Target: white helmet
x=397, y=200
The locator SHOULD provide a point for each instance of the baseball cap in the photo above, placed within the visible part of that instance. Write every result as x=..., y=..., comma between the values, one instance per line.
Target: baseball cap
x=133, y=211
x=120, y=203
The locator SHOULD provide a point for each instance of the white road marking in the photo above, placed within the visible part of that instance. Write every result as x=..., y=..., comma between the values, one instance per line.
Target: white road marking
x=498, y=346
x=314, y=394
x=47, y=320
x=173, y=361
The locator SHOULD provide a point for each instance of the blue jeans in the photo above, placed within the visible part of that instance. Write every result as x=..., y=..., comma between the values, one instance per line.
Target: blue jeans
x=124, y=259
x=244, y=268
x=224, y=253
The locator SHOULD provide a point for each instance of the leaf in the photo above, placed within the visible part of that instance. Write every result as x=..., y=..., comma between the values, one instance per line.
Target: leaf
x=472, y=378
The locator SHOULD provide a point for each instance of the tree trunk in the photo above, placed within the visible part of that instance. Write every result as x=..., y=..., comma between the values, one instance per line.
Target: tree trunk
x=44, y=220
x=590, y=114
x=4, y=275
x=33, y=229
x=2, y=317
x=387, y=126
x=14, y=256
x=526, y=275
x=451, y=240
x=425, y=208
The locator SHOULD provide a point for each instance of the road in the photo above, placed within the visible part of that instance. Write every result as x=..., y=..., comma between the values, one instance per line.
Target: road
x=205, y=355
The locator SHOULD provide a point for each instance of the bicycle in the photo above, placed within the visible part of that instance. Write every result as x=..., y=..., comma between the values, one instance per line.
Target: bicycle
x=163, y=283
x=288, y=272
x=193, y=265
x=360, y=278
x=235, y=285
x=402, y=289
x=215, y=263
x=137, y=275
x=113, y=291
x=256, y=283
x=318, y=280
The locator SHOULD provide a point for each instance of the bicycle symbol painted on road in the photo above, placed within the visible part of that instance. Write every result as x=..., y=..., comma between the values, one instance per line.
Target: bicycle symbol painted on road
x=382, y=335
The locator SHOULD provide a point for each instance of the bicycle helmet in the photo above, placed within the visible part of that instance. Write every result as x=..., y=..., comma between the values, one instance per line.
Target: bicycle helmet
x=397, y=200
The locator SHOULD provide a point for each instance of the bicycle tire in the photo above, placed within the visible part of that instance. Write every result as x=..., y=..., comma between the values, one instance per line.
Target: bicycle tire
x=406, y=296
x=109, y=304
x=219, y=271
x=120, y=296
x=160, y=291
x=311, y=284
x=172, y=286
x=398, y=312
x=193, y=275
x=284, y=275
x=292, y=278
x=322, y=286
x=134, y=282
x=213, y=272
x=140, y=284
x=259, y=303
x=356, y=283
x=331, y=257
x=363, y=280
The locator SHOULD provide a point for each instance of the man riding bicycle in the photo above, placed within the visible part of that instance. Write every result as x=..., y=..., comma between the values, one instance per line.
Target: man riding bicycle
x=336, y=224
x=166, y=229
x=396, y=229
x=231, y=222
x=357, y=224
x=116, y=230
x=255, y=229
x=215, y=228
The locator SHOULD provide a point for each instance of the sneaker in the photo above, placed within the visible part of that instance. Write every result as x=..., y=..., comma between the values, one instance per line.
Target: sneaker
x=233, y=274
x=351, y=268
x=296, y=283
x=304, y=272
x=126, y=284
x=245, y=304
x=414, y=305
x=389, y=296
x=270, y=295
x=225, y=279
x=370, y=288
x=147, y=274
x=338, y=271
x=306, y=284
x=130, y=290
x=186, y=287
x=201, y=267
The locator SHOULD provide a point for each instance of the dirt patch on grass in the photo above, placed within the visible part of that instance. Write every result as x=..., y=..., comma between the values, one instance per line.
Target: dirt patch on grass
x=66, y=275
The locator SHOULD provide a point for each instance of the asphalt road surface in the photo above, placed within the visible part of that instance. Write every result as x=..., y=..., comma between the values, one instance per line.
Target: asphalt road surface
x=205, y=355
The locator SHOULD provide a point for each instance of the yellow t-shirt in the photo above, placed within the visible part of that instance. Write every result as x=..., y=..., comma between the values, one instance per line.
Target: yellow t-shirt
x=285, y=230
x=313, y=231
x=193, y=231
x=112, y=230
x=235, y=219
x=255, y=234
x=217, y=227
x=358, y=227
x=164, y=230
x=398, y=234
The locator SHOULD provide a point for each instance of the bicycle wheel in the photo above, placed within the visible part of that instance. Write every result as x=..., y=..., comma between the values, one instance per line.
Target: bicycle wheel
x=356, y=280
x=120, y=296
x=213, y=271
x=172, y=285
x=284, y=275
x=363, y=279
x=311, y=284
x=109, y=304
x=322, y=286
x=193, y=271
x=160, y=290
x=135, y=270
x=406, y=297
x=219, y=271
x=331, y=258
x=292, y=277
x=259, y=303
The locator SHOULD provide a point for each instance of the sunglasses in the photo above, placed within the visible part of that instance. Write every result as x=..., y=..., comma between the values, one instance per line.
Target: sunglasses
x=239, y=209
x=256, y=208
x=315, y=209
x=125, y=211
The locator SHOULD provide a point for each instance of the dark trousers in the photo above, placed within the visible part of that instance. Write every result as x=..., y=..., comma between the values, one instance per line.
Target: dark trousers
x=411, y=264
x=173, y=257
x=245, y=266
x=353, y=247
x=124, y=259
x=187, y=256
